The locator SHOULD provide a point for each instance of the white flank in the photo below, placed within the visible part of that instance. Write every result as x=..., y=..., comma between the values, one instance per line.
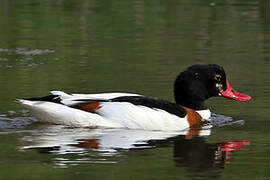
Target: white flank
x=61, y=114
x=141, y=117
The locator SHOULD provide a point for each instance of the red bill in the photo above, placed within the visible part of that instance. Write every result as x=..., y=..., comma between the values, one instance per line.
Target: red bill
x=230, y=93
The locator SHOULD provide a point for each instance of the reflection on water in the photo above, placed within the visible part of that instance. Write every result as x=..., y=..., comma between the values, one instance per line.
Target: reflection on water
x=95, y=146
x=66, y=140
x=202, y=158
x=133, y=46
x=92, y=146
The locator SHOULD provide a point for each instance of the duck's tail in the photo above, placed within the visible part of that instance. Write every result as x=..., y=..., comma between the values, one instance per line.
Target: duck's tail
x=57, y=113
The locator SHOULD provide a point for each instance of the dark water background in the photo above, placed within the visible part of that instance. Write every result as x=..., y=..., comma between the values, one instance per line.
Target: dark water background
x=132, y=46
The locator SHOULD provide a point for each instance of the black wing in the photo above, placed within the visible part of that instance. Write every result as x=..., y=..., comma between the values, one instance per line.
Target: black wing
x=165, y=105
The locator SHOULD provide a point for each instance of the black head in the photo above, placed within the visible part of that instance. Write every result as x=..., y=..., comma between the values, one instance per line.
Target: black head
x=198, y=83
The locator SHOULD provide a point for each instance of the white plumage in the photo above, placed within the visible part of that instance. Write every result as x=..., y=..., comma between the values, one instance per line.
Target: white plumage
x=60, y=114
x=141, y=117
x=110, y=114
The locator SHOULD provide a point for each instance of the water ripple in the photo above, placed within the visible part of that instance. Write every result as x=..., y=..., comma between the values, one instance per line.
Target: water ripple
x=27, y=51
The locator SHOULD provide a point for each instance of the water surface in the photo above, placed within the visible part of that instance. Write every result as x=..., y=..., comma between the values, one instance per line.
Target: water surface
x=140, y=47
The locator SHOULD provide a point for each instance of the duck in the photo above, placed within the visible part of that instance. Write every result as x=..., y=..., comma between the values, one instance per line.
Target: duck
x=192, y=87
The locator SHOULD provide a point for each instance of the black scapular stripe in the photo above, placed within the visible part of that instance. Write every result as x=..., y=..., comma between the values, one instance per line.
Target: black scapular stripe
x=165, y=105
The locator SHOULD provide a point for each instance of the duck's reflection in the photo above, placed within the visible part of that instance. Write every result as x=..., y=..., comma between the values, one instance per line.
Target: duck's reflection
x=197, y=155
x=67, y=140
x=202, y=158
x=191, y=150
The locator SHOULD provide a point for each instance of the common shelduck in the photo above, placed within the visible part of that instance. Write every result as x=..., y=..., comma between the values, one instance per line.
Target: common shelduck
x=133, y=111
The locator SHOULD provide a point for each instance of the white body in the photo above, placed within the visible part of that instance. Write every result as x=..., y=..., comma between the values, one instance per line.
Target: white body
x=109, y=115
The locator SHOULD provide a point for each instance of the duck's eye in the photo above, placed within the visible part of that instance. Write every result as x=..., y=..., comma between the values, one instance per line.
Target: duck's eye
x=217, y=77
x=197, y=75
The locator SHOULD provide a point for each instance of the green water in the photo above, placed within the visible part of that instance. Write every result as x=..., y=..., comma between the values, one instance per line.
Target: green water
x=132, y=46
